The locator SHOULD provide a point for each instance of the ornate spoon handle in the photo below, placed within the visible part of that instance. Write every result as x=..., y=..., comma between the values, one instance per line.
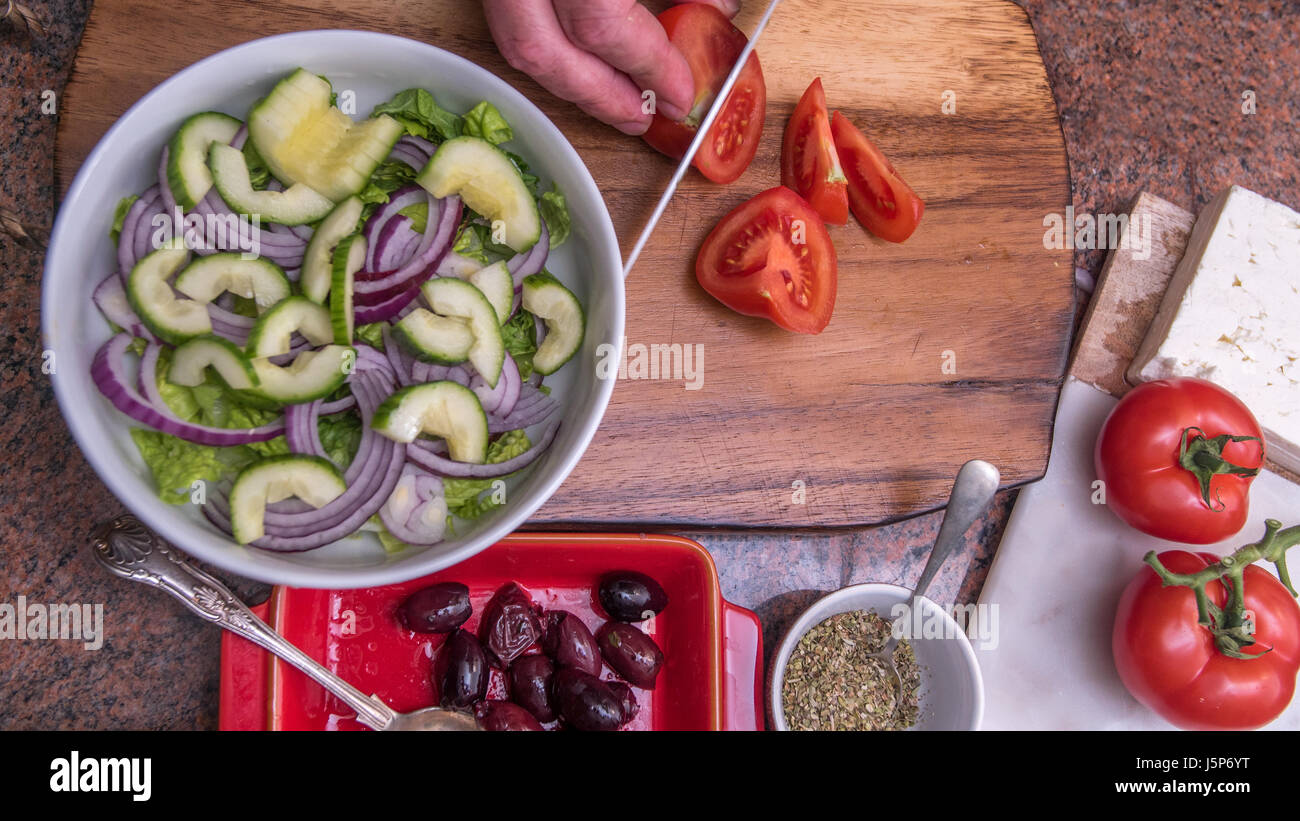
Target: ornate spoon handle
x=132, y=551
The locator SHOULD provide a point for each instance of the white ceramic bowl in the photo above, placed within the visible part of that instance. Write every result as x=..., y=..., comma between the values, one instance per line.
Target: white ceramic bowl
x=952, y=691
x=374, y=66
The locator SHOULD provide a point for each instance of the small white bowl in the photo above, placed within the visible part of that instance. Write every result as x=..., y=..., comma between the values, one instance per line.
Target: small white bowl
x=374, y=67
x=952, y=691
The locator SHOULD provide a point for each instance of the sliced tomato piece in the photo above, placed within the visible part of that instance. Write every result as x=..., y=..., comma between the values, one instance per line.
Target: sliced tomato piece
x=711, y=45
x=772, y=257
x=809, y=163
x=884, y=204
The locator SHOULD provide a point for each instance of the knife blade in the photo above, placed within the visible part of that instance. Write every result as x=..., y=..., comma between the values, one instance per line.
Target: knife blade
x=700, y=134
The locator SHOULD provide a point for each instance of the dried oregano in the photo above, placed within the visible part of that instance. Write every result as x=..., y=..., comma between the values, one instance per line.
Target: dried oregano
x=832, y=683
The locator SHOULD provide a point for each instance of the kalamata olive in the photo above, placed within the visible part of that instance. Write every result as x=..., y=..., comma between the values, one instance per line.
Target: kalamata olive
x=631, y=653
x=503, y=716
x=628, y=595
x=439, y=608
x=510, y=625
x=626, y=699
x=530, y=686
x=570, y=643
x=498, y=678
x=586, y=702
x=461, y=671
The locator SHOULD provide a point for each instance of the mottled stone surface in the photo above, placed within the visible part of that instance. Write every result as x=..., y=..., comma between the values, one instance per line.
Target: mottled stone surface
x=1150, y=97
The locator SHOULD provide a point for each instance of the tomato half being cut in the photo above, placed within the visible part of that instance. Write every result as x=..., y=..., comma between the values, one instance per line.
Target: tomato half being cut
x=772, y=257
x=711, y=45
x=884, y=204
x=809, y=164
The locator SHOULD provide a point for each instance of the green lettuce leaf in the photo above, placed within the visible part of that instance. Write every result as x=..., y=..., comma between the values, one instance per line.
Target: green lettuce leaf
x=259, y=173
x=176, y=464
x=388, y=177
x=469, y=498
x=556, y=213
x=418, y=214
x=468, y=244
x=485, y=122
x=520, y=337
x=340, y=434
x=421, y=115
x=372, y=334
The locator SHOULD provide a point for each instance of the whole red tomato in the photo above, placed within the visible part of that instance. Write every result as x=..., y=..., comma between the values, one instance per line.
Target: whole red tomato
x=1177, y=457
x=1170, y=663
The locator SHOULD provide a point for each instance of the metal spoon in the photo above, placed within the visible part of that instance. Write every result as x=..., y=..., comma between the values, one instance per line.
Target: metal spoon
x=132, y=551
x=972, y=493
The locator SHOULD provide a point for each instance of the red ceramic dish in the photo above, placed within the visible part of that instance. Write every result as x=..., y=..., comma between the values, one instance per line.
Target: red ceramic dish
x=713, y=650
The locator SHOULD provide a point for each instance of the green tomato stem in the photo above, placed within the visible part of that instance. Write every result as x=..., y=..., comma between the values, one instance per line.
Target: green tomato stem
x=1204, y=458
x=1231, y=629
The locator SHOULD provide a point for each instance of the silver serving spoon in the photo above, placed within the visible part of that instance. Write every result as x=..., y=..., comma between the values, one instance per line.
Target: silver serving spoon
x=972, y=493
x=132, y=551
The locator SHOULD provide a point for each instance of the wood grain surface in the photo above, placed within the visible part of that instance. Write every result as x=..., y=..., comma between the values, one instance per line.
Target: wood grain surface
x=864, y=415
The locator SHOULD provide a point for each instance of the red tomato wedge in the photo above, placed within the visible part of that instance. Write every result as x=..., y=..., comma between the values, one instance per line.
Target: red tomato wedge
x=711, y=45
x=884, y=204
x=772, y=257
x=809, y=164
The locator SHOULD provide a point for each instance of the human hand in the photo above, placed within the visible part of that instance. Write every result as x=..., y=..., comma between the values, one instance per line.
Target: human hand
x=599, y=54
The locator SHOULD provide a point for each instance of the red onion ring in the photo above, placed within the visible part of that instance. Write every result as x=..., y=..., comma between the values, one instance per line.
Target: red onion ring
x=501, y=399
x=109, y=374
x=110, y=297
x=463, y=470
x=531, y=261
x=377, y=287
x=404, y=514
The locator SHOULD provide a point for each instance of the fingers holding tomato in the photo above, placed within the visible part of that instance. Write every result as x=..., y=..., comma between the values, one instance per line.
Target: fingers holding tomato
x=772, y=257
x=711, y=45
x=1177, y=457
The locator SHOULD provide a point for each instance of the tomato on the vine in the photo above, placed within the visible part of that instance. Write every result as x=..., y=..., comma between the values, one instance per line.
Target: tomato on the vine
x=1176, y=458
x=1178, y=667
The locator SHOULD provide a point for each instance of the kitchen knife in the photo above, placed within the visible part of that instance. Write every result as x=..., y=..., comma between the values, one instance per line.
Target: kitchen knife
x=700, y=134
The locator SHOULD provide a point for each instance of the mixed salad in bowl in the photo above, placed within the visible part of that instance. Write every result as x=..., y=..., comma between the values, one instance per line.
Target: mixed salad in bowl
x=340, y=324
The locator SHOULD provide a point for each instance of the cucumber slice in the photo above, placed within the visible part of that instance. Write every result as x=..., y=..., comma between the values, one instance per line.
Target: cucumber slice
x=271, y=333
x=306, y=140
x=456, y=298
x=317, y=262
x=296, y=205
x=431, y=338
x=498, y=286
x=311, y=375
x=445, y=409
x=258, y=279
x=546, y=297
x=311, y=478
x=488, y=182
x=349, y=256
x=187, y=157
x=153, y=300
x=191, y=360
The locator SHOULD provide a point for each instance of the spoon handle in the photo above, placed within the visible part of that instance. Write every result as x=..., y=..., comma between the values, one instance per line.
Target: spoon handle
x=130, y=550
x=972, y=493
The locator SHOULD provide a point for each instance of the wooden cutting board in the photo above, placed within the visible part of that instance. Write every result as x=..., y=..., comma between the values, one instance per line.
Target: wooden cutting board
x=861, y=424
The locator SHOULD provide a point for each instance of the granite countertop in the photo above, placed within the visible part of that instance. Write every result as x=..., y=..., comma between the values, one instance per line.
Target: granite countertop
x=1150, y=97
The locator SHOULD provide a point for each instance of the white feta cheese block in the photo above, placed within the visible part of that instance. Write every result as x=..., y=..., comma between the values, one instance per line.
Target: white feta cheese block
x=1232, y=314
